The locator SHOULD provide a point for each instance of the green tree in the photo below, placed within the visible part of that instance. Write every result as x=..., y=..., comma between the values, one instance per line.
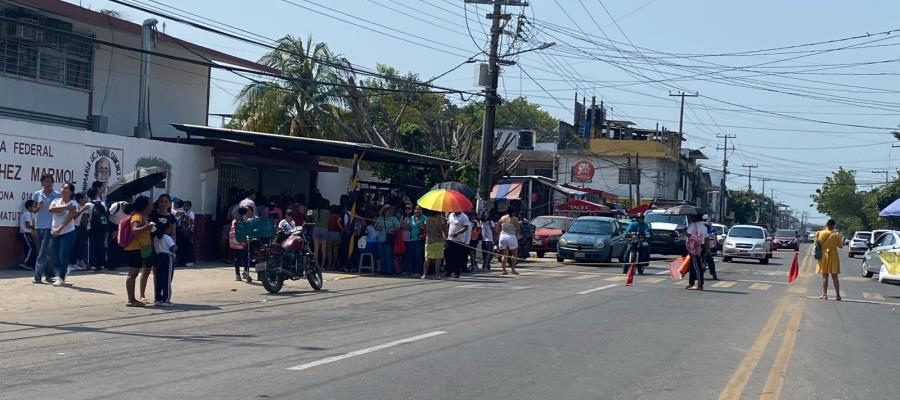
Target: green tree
x=306, y=103
x=517, y=113
x=839, y=199
x=877, y=199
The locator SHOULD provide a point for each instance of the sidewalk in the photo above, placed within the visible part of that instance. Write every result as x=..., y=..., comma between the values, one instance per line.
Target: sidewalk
x=89, y=289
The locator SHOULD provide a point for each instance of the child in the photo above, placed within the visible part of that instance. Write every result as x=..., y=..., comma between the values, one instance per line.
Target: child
x=185, y=236
x=163, y=270
x=28, y=234
x=241, y=258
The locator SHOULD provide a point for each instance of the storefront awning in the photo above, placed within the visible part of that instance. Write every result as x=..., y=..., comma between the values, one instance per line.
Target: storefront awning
x=581, y=206
x=507, y=191
x=317, y=147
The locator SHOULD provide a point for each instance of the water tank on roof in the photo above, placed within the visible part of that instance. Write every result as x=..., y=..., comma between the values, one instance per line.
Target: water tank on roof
x=526, y=140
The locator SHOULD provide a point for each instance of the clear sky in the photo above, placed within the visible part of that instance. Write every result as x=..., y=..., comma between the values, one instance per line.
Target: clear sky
x=789, y=108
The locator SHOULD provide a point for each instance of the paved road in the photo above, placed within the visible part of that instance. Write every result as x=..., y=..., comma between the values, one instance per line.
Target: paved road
x=534, y=336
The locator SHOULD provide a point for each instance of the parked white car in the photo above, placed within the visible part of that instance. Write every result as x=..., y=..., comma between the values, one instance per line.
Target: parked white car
x=888, y=241
x=747, y=241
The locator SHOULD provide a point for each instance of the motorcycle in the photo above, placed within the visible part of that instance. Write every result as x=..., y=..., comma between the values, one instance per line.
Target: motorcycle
x=633, y=255
x=290, y=258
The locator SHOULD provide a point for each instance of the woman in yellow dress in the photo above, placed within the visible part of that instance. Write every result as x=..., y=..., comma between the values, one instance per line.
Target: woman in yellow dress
x=829, y=262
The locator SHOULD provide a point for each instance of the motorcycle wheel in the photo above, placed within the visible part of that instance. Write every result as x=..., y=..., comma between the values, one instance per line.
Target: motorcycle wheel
x=271, y=280
x=314, y=274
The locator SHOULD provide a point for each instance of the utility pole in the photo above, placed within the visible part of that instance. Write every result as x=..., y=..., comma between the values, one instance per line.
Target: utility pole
x=723, y=196
x=750, y=176
x=491, y=100
x=681, y=117
x=882, y=171
x=637, y=177
x=630, y=193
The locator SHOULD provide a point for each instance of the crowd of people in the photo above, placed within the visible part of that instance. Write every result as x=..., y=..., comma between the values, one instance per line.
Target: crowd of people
x=65, y=230
x=402, y=238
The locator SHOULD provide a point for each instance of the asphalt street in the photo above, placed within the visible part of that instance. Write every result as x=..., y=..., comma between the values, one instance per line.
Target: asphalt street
x=554, y=332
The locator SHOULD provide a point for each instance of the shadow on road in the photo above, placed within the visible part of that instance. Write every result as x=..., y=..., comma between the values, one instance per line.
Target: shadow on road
x=723, y=291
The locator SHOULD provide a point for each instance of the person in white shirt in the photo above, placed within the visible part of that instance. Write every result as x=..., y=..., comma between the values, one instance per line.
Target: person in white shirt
x=27, y=235
x=697, y=235
x=79, y=256
x=250, y=204
x=63, y=212
x=163, y=270
x=185, y=217
x=488, y=227
x=458, y=237
x=287, y=223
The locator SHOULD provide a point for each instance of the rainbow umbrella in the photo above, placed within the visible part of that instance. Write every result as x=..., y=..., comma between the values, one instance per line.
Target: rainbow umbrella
x=444, y=200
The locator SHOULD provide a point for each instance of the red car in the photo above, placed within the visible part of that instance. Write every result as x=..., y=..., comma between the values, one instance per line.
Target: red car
x=547, y=230
x=787, y=239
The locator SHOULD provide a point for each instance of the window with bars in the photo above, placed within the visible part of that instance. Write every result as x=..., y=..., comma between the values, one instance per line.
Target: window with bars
x=28, y=51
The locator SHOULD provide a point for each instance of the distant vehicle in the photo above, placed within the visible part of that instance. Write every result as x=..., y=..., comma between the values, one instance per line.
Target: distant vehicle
x=876, y=234
x=720, y=231
x=668, y=232
x=747, y=241
x=786, y=239
x=887, y=242
x=596, y=239
x=547, y=231
x=859, y=245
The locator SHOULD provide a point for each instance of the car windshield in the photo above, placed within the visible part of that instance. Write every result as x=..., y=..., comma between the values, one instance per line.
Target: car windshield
x=747, y=232
x=785, y=233
x=720, y=230
x=591, y=227
x=863, y=235
x=549, y=223
x=669, y=218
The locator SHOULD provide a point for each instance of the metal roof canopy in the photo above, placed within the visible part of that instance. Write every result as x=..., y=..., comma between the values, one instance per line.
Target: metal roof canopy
x=544, y=181
x=321, y=147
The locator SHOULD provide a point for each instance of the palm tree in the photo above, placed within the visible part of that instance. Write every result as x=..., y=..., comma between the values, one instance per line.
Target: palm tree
x=307, y=102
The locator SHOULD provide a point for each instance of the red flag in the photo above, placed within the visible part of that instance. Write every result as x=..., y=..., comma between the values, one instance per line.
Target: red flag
x=795, y=270
x=674, y=266
x=630, y=279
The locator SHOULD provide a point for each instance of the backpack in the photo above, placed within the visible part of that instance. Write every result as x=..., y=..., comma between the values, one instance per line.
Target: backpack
x=124, y=234
x=99, y=216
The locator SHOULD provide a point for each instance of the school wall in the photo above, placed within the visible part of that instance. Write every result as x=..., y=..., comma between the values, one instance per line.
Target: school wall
x=27, y=150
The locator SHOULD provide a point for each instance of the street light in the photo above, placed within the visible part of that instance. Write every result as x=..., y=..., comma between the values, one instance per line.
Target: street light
x=543, y=46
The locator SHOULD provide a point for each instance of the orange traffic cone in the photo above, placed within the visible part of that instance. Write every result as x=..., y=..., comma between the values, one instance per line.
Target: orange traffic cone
x=630, y=278
x=795, y=270
x=685, y=266
x=674, y=266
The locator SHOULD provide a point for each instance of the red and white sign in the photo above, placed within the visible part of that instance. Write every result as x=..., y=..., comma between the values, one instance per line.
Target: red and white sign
x=583, y=171
x=581, y=206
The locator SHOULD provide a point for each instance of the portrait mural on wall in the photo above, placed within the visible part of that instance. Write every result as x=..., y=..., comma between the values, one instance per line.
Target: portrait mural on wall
x=102, y=164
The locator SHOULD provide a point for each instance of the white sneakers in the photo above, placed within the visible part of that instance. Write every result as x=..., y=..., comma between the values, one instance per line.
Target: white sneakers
x=59, y=282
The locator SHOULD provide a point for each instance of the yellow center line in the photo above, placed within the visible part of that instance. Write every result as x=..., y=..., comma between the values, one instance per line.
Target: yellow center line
x=775, y=380
x=741, y=376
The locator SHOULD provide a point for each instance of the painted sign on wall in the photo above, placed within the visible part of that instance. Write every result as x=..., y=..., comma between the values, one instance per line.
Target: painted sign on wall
x=583, y=171
x=28, y=151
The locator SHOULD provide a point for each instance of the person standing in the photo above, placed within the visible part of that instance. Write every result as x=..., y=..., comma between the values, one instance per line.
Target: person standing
x=335, y=227
x=184, y=236
x=509, y=241
x=474, y=240
x=696, y=232
x=488, y=233
x=415, y=248
x=64, y=211
x=239, y=247
x=435, y=237
x=139, y=249
x=406, y=236
x=42, y=224
x=387, y=226
x=163, y=270
x=97, y=230
x=27, y=235
x=79, y=255
x=829, y=262
x=710, y=248
x=458, y=237
x=249, y=203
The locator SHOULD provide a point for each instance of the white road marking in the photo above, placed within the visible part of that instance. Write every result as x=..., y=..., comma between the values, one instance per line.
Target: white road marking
x=873, y=296
x=666, y=272
x=368, y=350
x=492, y=286
x=597, y=289
x=886, y=303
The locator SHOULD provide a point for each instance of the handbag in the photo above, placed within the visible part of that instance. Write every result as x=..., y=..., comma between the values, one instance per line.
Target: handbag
x=817, y=251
